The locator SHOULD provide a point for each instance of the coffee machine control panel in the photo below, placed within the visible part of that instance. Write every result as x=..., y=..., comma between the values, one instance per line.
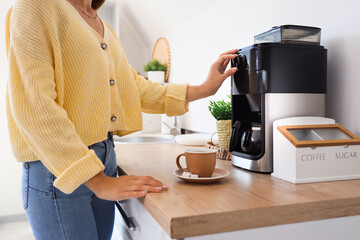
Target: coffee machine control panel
x=240, y=61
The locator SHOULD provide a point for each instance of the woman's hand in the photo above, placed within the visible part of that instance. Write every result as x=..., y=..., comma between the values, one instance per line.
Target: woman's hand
x=123, y=187
x=215, y=78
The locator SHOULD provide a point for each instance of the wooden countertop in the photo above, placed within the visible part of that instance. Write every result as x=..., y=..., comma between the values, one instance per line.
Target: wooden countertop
x=243, y=200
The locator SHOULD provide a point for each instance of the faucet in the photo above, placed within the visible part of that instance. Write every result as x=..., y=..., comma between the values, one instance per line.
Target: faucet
x=173, y=131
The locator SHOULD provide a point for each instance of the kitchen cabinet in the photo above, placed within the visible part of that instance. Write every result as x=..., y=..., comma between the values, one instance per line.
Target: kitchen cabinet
x=137, y=223
x=244, y=205
x=148, y=229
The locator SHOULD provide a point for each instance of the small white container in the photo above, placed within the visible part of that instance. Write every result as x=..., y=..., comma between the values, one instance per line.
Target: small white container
x=156, y=76
x=314, y=149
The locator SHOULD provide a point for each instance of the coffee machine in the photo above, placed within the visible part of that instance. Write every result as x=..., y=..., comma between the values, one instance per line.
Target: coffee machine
x=274, y=80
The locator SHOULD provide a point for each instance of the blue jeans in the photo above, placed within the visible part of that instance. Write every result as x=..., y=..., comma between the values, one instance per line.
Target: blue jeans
x=80, y=215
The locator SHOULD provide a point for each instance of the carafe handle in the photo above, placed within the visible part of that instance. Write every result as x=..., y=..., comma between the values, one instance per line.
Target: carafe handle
x=245, y=140
x=235, y=135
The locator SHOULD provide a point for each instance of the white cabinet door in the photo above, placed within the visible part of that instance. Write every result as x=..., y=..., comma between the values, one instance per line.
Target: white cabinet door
x=138, y=224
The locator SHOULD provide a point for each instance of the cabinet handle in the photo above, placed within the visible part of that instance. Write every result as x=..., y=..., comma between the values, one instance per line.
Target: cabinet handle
x=129, y=223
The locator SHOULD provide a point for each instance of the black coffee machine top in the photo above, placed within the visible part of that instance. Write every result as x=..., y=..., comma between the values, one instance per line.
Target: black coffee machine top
x=272, y=77
x=267, y=67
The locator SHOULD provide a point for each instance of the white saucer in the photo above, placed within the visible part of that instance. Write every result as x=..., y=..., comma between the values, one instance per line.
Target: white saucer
x=217, y=175
x=195, y=139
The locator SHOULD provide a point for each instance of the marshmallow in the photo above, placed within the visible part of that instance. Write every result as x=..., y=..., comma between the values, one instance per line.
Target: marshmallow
x=194, y=176
x=186, y=174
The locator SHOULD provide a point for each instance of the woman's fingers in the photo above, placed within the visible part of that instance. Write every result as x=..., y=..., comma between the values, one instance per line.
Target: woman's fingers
x=230, y=72
x=221, y=60
x=148, y=181
x=150, y=184
x=225, y=57
x=141, y=183
x=229, y=52
x=145, y=180
x=225, y=65
x=148, y=188
x=151, y=180
x=134, y=194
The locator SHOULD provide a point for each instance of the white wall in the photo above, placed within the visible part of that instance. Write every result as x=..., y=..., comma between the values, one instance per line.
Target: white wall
x=10, y=170
x=134, y=40
x=200, y=30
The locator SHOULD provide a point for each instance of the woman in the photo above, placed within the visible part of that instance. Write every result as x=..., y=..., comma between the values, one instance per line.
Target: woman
x=71, y=87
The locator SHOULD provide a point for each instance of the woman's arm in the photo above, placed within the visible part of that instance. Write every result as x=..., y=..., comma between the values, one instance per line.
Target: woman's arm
x=156, y=98
x=216, y=77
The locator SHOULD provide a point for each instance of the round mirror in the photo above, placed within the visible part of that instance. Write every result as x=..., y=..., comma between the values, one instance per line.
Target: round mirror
x=161, y=52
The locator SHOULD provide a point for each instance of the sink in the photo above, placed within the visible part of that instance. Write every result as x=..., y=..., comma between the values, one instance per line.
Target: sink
x=144, y=139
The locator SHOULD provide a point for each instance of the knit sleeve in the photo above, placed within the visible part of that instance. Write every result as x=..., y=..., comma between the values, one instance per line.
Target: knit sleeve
x=156, y=98
x=32, y=44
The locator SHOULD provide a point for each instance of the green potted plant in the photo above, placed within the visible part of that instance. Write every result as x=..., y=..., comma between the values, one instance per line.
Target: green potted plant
x=221, y=110
x=155, y=70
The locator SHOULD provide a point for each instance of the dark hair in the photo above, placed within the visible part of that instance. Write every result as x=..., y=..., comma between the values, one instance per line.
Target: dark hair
x=97, y=4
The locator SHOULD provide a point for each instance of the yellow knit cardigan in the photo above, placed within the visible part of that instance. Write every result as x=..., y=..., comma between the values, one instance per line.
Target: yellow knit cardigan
x=61, y=95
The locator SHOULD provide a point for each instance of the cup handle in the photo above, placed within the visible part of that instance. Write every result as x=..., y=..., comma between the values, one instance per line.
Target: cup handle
x=178, y=162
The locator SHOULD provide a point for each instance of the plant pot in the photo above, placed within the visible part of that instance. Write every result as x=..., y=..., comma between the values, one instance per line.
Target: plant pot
x=224, y=132
x=156, y=76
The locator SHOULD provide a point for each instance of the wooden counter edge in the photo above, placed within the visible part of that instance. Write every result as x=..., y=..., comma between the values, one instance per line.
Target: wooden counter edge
x=191, y=226
x=160, y=217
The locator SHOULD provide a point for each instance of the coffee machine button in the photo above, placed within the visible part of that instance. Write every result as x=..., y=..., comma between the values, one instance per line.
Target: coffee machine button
x=241, y=61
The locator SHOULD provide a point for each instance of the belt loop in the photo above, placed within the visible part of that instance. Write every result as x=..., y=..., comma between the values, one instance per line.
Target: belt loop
x=111, y=136
x=53, y=188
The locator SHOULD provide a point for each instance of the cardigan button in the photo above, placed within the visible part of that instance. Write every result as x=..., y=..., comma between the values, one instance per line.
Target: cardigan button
x=113, y=118
x=103, y=46
x=112, y=82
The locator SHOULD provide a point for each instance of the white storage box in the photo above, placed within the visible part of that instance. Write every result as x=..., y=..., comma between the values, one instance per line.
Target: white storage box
x=314, y=149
